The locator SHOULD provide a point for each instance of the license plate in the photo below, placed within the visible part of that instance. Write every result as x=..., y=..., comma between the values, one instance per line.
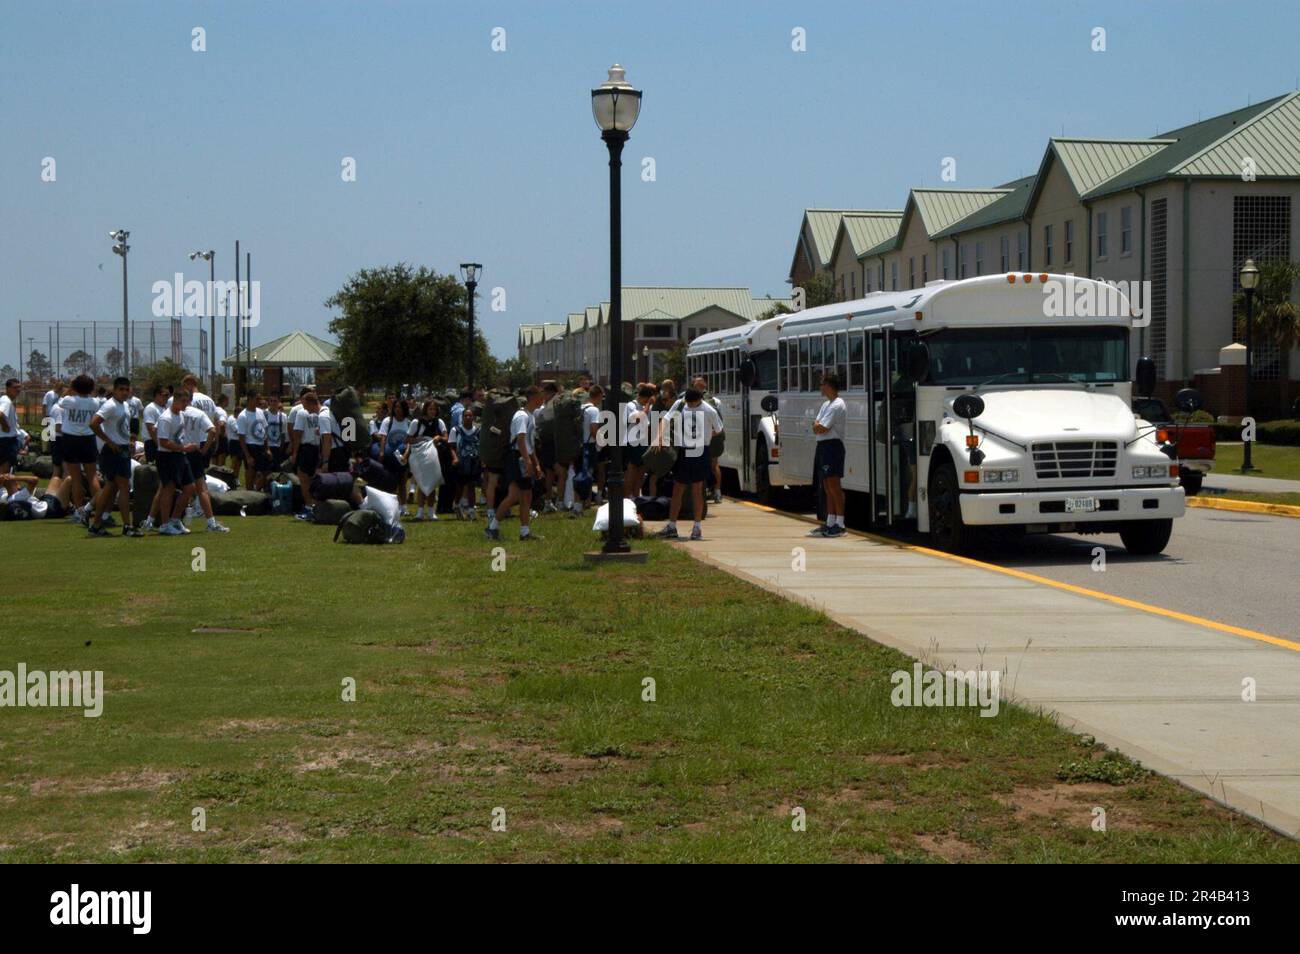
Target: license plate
x=1080, y=504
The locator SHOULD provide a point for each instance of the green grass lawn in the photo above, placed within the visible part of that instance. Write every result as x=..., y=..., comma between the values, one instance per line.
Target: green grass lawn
x=1270, y=460
x=519, y=690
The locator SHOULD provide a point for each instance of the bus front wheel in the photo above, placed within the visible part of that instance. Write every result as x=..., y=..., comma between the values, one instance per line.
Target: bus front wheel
x=1146, y=537
x=947, y=529
x=763, y=489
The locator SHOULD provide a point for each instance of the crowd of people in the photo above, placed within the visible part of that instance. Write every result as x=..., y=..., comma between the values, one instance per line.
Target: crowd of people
x=97, y=436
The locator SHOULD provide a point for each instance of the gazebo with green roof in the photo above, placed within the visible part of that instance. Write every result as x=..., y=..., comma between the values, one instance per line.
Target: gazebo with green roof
x=298, y=349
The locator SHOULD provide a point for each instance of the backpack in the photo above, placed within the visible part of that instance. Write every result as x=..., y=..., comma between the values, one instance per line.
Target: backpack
x=366, y=526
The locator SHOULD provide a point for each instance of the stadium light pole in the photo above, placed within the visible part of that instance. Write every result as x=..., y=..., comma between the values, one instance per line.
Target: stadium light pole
x=615, y=106
x=210, y=302
x=1249, y=278
x=119, y=237
x=470, y=272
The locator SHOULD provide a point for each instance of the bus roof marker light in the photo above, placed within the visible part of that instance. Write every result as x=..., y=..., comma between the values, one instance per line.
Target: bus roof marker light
x=1011, y=279
x=918, y=316
x=1027, y=278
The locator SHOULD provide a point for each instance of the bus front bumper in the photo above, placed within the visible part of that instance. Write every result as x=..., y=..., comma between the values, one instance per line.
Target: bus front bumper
x=1055, y=508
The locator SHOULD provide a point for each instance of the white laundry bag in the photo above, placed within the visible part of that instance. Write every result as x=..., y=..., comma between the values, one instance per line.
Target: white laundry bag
x=425, y=467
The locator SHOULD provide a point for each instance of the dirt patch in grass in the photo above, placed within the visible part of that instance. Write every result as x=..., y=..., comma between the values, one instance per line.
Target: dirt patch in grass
x=948, y=847
x=142, y=780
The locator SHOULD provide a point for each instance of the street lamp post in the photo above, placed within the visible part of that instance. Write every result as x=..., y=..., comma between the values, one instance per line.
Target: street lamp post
x=211, y=304
x=470, y=272
x=119, y=237
x=615, y=106
x=1249, y=278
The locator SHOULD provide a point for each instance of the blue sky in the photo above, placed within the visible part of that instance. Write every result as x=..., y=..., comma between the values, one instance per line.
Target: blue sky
x=464, y=153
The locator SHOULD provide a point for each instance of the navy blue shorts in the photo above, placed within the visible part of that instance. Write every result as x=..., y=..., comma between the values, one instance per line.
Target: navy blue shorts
x=692, y=466
x=56, y=451
x=79, y=449
x=633, y=454
x=174, y=469
x=517, y=469
x=113, y=465
x=198, y=466
x=829, y=460
x=261, y=458
x=308, y=459
x=151, y=452
x=9, y=450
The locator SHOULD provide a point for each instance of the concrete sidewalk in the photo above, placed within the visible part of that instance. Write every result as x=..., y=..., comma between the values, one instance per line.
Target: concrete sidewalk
x=1259, y=485
x=1165, y=691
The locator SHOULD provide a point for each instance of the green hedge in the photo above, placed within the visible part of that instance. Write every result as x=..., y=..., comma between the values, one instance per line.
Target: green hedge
x=1267, y=432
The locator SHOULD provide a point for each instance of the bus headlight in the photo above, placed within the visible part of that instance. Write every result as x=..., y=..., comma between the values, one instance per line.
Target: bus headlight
x=1005, y=476
x=1145, y=473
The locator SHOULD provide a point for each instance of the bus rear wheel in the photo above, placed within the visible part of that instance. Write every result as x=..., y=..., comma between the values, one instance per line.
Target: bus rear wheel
x=947, y=530
x=1146, y=537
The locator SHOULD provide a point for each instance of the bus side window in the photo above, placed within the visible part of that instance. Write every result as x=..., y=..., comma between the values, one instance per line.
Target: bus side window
x=857, y=370
x=842, y=357
x=803, y=363
x=815, y=362
x=877, y=375
x=781, y=365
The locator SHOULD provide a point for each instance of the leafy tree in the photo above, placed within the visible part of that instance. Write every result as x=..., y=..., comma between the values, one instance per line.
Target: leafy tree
x=401, y=325
x=513, y=373
x=7, y=372
x=38, y=366
x=776, y=308
x=165, y=371
x=818, y=290
x=80, y=362
x=1276, y=316
x=675, y=364
x=113, y=361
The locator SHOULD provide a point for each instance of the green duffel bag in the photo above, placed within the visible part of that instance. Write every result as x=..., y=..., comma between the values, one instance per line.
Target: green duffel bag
x=144, y=484
x=717, y=444
x=567, y=411
x=366, y=526
x=43, y=467
x=659, y=460
x=330, y=512
x=345, y=406
x=233, y=503
x=495, y=435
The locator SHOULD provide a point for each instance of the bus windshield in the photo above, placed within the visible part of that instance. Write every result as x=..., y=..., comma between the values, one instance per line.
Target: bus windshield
x=765, y=362
x=1028, y=355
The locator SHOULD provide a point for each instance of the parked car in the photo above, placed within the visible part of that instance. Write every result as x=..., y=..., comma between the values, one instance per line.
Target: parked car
x=1195, y=442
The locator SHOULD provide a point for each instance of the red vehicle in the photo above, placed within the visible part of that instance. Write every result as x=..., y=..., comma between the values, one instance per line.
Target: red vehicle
x=1195, y=442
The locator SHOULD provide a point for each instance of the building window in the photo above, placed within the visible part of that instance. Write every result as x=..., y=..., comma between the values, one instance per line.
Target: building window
x=1103, y=240
x=961, y=261
x=1004, y=253
x=925, y=269
x=853, y=284
x=893, y=275
x=1126, y=230
x=1261, y=229
x=1020, y=251
x=1047, y=246
x=947, y=263
x=979, y=258
x=656, y=331
x=881, y=283
x=911, y=272
x=1069, y=241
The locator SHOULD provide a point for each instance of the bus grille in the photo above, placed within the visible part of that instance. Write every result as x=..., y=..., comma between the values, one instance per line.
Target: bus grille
x=1074, y=459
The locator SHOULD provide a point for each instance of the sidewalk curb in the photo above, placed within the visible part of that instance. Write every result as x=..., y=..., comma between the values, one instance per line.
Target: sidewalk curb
x=1243, y=506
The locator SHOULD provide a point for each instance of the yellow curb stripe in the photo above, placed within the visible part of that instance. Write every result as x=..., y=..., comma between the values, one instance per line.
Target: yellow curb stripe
x=1057, y=584
x=1244, y=506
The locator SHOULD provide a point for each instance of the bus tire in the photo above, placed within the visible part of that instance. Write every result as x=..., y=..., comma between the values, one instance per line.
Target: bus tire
x=1146, y=537
x=947, y=530
x=763, y=489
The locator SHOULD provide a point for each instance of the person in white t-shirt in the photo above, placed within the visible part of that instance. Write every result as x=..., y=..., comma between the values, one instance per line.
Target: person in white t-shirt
x=80, y=453
x=250, y=427
x=201, y=402
x=828, y=461
x=183, y=430
x=277, y=432
x=521, y=469
x=586, y=486
x=694, y=423
x=9, y=427
x=112, y=425
x=306, y=453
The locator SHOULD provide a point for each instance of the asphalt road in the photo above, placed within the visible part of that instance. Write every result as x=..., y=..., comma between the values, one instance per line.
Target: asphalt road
x=1233, y=568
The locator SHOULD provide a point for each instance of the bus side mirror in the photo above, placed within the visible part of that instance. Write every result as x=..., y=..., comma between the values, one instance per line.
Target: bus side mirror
x=968, y=406
x=918, y=361
x=748, y=372
x=1188, y=400
x=1145, y=376
x=769, y=403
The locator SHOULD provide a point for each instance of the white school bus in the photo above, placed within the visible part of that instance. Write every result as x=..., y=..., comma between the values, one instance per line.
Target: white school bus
x=984, y=402
x=739, y=365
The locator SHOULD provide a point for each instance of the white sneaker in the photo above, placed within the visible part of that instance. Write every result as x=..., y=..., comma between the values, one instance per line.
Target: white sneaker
x=171, y=529
x=911, y=512
x=214, y=527
x=180, y=525
x=147, y=525
x=433, y=515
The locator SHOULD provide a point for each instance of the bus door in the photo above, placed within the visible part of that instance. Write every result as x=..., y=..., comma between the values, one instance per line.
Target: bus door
x=880, y=428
